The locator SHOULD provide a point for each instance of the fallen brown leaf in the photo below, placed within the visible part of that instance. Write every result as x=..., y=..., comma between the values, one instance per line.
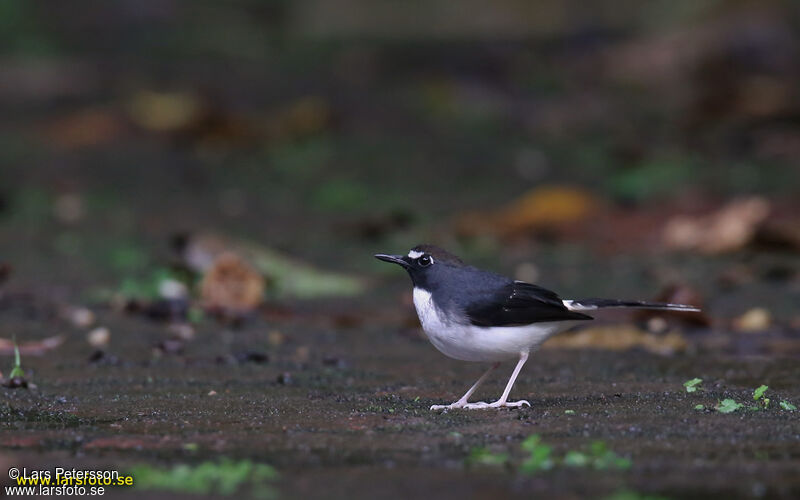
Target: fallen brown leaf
x=303, y=117
x=232, y=284
x=542, y=208
x=286, y=275
x=729, y=228
x=757, y=319
x=619, y=338
x=189, y=117
x=780, y=233
x=164, y=111
x=84, y=128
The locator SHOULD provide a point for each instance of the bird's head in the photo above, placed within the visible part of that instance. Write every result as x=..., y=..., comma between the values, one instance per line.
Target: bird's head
x=424, y=262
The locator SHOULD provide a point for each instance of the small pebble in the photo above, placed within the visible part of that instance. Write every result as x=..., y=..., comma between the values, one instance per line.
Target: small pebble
x=69, y=208
x=172, y=290
x=212, y=393
x=657, y=324
x=183, y=331
x=81, y=317
x=275, y=338
x=99, y=337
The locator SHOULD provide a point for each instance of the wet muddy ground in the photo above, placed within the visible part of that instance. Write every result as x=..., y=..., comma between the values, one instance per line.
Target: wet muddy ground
x=340, y=408
x=130, y=125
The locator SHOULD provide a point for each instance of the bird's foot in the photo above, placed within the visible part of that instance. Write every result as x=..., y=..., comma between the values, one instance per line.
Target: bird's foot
x=513, y=404
x=482, y=405
x=497, y=404
x=457, y=404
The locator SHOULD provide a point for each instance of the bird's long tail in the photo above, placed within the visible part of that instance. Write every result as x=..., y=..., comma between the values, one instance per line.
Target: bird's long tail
x=591, y=304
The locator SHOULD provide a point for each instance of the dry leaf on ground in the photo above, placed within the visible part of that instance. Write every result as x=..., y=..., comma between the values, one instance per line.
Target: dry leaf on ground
x=286, y=276
x=85, y=128
x=729, y=228
x=542, y=208
x=619, y=338
x=232, y=284
x=757, y=319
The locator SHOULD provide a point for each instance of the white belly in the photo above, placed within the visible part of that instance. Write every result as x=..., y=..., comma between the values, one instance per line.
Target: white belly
x=474, y=343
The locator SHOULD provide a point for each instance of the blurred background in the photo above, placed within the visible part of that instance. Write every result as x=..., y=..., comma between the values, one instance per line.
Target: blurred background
x=555, y=134
x=245, y=159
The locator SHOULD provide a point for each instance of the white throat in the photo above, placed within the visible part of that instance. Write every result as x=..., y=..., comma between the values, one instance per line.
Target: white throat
x=426, y=310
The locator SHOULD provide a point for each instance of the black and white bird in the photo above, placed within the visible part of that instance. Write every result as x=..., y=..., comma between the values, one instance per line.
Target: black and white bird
x=476, y=315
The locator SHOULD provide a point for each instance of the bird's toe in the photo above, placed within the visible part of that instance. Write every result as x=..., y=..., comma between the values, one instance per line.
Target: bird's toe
x=476, y=406
x=518, y=404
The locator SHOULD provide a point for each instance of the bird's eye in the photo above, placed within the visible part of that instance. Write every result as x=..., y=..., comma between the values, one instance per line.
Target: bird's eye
x=425, y=260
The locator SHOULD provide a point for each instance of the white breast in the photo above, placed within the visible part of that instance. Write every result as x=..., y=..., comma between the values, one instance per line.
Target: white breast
x=474, y=343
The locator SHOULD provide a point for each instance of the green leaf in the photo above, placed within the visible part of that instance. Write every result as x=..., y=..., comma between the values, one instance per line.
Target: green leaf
x=484, y=456
x=16, y=370
x=576, y=459
x=728, y=406
x=699, y=407
x=787, y=406
x=692, y=385
x=604, y=458
x=221, y=478
x=569, y=412
x=759, y=392
x=598, y=448
x=539, y=459
x=531, y=442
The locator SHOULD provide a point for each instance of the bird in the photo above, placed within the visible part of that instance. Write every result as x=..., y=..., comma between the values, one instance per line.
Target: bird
x=470, y=314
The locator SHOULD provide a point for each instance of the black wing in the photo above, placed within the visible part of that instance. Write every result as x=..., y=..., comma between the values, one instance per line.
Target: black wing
x=519, y=303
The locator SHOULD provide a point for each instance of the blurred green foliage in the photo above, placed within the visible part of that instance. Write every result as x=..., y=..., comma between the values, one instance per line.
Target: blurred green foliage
x=225, y=477
x=22, y=31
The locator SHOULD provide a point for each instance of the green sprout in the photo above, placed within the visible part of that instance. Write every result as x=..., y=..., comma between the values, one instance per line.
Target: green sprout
x=699, y=407
x=693, y=384
x=539, y=458
x=758, y=395
x=569, y=412
x=16, y=370
x=728, y=406
x=484, y=456
x=787, y=406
